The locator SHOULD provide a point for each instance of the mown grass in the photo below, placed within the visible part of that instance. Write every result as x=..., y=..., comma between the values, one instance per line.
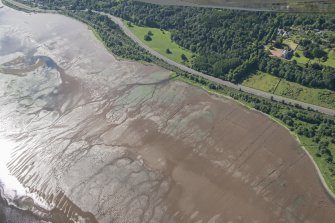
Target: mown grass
x=262, y=81
x=161, y=41
x=272, y=84
x=331, y=59
x=303, y=60
x=289, y=42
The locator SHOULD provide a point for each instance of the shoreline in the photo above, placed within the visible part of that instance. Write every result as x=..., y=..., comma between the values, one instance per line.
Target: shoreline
x=9, y=213
x=251, y=91
x=321, y=178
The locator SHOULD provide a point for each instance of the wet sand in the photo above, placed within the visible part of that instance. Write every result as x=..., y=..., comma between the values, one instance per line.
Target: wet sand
x=10, y=214
x=95, y=139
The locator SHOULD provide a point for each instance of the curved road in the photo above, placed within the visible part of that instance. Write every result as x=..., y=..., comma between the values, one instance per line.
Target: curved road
x=194, y=72
x=214, y=79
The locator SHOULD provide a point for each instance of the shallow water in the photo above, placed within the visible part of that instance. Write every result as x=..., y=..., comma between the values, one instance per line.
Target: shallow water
x=88, y=138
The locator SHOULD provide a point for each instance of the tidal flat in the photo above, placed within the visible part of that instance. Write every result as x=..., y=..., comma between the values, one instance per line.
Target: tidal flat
x=86, y=137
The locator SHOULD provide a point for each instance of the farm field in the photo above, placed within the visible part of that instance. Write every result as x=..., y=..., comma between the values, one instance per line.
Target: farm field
x=161, y=41
x=272, y=84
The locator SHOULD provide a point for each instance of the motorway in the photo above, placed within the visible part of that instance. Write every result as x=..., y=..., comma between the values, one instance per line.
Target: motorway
x=194, y=72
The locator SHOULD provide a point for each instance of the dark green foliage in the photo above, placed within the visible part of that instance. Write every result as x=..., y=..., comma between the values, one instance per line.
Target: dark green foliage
x=112, y=36
x=278, y=45
x=129, y=24
x=318, y=53
x=184, y=58
x=147, y=37
x=223, y=40
x=314, y=76
x=312, y=48
x=222, y=67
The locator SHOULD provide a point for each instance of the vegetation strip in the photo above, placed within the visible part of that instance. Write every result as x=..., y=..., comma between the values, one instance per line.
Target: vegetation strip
x=281, y=87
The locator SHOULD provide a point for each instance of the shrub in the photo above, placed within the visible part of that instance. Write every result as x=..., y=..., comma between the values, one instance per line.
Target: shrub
x=147, y=38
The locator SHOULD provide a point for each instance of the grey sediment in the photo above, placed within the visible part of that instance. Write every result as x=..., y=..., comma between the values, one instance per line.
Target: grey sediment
x=140, y=125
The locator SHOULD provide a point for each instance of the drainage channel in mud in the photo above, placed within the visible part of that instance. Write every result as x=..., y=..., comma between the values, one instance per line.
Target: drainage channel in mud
x=89, y=138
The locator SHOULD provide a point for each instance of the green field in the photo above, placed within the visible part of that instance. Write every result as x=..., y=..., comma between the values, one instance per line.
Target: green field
x=262, y=81
x=330, y=61
x=291, y=43
x=161, y=41
x=272, y=84
x=301, y=59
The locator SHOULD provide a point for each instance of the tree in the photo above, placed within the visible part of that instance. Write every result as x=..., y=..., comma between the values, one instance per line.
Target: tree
x=308, y=54
x=318, y=53
x=150, y=33
x=184, y=58
x=129, y=24
x=168, y=51
x=147, y=38
x=278, y=45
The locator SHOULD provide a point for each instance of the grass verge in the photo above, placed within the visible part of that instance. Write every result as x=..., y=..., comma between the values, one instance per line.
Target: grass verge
x=268, y=83
x=161, y=42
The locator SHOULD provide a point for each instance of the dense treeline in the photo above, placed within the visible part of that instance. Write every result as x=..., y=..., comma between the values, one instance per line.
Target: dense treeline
x=312, y=76
x=226, y=40
x=112, y=36
x=115, y=40
x=223, y=41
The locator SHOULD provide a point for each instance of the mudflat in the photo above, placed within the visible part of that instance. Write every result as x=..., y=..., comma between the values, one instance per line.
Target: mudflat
x=95, y=139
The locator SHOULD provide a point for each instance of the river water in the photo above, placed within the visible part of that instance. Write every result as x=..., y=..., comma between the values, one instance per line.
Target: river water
x=85, y=137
